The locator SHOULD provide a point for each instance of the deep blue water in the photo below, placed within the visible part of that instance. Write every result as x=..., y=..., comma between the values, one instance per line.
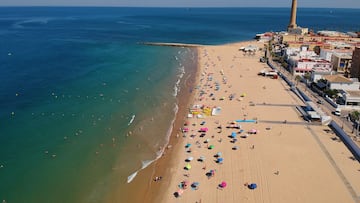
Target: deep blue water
x=71, y=79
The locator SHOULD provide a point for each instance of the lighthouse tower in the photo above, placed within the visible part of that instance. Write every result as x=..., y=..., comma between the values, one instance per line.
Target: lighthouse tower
x=292, y=23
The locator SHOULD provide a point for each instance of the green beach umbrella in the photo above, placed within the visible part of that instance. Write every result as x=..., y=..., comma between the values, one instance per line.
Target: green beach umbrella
x=211, y=147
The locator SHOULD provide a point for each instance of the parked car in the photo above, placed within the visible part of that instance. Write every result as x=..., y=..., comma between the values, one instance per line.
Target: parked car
x=337, y=112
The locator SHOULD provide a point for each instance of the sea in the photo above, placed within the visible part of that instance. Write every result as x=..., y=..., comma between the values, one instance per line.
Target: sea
x=85, y=105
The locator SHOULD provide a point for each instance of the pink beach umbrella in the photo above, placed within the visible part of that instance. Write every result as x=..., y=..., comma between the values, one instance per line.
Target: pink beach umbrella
x=223, y=184
x=253, y=131
x=180, y=192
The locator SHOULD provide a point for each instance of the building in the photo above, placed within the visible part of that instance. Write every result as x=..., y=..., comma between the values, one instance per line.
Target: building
x=339, y=82
x=301, y=61
x=355, y=65
x=349, y=99
x=326, y=53
x=342, y=62
x=317, y=75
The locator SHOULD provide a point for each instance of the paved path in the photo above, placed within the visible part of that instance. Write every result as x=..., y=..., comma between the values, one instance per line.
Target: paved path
x=289, y=122
x=336, y=167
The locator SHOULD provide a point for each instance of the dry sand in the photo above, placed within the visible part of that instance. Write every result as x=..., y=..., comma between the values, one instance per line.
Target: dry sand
x=289, y=162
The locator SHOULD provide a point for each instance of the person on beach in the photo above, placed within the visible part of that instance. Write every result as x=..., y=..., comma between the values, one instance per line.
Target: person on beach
x=157, y=178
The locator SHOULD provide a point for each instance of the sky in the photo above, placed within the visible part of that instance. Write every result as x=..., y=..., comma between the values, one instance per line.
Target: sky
x=187, y=3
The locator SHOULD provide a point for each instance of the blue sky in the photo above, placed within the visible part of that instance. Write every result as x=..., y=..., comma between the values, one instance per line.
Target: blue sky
x=187, y=3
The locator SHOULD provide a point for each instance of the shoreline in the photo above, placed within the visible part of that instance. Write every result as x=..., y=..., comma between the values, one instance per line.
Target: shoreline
x=268, y=154
x=161, y=166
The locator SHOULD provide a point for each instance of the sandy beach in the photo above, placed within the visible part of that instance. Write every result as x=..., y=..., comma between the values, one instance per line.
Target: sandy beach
x=258, y=137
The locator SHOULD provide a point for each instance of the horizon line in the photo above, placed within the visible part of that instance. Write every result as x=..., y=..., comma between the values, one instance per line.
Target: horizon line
x=186, y=7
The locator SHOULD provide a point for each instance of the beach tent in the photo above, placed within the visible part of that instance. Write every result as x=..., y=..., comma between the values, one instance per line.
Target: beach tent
x=252, y=186
x=216, y=111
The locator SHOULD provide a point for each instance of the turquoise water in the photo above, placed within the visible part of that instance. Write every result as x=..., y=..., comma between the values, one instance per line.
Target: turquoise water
x=73, y=79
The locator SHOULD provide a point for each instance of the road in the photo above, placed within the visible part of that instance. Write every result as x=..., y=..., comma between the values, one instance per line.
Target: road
x=325, y=106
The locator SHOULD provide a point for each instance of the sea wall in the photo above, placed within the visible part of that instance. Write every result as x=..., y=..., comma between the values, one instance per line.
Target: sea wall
x=354, y=149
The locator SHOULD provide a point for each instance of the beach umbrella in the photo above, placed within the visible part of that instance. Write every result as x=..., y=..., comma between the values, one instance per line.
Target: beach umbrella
x=233, y=134
x=187, y=145
x=195, y=185
x=202, y=158
x=223, y=184
x=180, y=192
x=211, y=147
x=185, y=130
x=218, y=154
x=188, y=166
x=252, y=186
x=190, y=158
x=220, y=160
x=235, y=148
x=253, y=131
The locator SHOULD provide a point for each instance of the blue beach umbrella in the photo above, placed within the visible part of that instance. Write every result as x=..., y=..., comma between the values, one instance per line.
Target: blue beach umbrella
x=252, y=186
x=233, y=135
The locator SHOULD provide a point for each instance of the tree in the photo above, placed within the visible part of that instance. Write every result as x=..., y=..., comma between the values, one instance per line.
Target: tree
x=307, y=76
x=332, y=93
x=317, y=50
x=297, y=79
x=354, y=115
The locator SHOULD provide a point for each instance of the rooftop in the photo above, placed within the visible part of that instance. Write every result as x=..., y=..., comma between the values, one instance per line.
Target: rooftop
x=337, y=79
x=353, y=93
